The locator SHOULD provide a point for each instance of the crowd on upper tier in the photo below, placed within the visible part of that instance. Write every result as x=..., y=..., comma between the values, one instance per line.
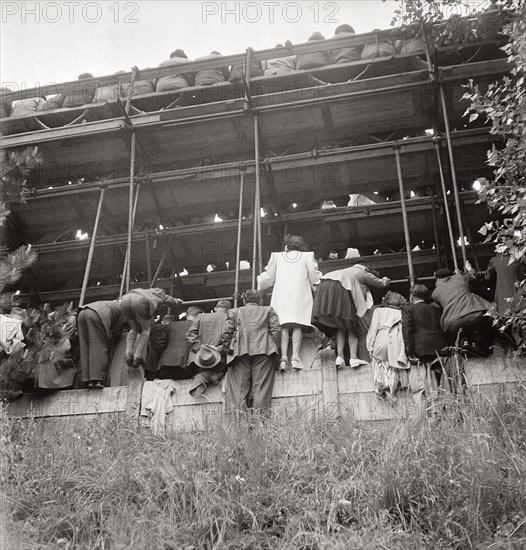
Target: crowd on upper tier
x=179, y=79
x=406, y=342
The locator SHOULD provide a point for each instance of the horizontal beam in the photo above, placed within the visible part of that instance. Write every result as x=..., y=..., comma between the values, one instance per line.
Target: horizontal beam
x=333, y=215
x=306, y=159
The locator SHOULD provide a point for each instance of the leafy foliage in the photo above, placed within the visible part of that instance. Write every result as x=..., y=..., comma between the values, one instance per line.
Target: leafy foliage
x=503, y=105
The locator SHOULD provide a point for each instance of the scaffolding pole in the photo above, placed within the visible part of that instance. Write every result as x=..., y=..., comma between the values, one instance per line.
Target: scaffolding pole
x=404, y=216
x=161, y=262
x=148, y=256
x=238, y=245
x=125, y=283
x=256, y=240
x=446, y=205
x=126, y=270
x=91, y=248
x=453, y=174
x=135, y=70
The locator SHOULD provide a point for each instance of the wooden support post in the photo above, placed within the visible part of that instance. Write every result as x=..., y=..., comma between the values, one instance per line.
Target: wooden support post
x=91, y=248
x=404, y=216
x=127, y=260
x=148, y=256
x=435, y=228
x=238, y=245
x=428, y=53
x=135, y=70
x=256, y=251
x=446, y=204
x=453, y=173
x=126, y=269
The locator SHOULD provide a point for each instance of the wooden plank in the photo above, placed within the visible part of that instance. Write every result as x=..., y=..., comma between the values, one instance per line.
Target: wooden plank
x=330, y=387
x=495, y=370
x=56, y=134
x=365, y=406
x=69, y=403
x=356, y=380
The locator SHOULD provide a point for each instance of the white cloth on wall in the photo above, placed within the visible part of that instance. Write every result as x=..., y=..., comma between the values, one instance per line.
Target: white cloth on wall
x=11, y=334
x=156, y=403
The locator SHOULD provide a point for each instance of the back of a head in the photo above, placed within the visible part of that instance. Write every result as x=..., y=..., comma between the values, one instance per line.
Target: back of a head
x=178, y=53
x=252, y=296
x=224, y=304
x=316, y=36
x=193, y=311
x=167, y=319
x=443, y=273
x=85, y=75
x=345, y=28
x=420, y=292
x=295, y=242
x=393, y=300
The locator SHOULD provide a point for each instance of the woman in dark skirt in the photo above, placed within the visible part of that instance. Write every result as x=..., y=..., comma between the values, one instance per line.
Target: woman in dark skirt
x=340, y=306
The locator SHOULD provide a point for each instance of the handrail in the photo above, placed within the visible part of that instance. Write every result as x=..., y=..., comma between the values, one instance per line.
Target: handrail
x=205, y=64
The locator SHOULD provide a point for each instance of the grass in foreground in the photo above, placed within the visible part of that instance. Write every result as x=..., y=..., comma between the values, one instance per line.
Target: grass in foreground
x=458, y=482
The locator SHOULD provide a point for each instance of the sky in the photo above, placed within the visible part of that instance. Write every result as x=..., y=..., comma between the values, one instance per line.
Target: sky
x=54, y=41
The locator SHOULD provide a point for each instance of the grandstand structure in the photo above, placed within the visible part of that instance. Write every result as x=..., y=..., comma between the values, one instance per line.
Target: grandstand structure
x=169, y=184
x=150, y=175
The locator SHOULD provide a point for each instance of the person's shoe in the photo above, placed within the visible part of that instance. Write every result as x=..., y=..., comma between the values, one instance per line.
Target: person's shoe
x=90, y=385
x=129, y=360
x=98, y=385
x=283, y=362
x=353, y=363
x=296, y=363
x=138, y=362
x=339, y=362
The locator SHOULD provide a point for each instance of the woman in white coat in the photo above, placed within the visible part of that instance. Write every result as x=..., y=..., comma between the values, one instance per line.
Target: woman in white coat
x=292, y=273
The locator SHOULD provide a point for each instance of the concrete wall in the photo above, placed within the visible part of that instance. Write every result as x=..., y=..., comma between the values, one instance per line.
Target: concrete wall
x=319, y=389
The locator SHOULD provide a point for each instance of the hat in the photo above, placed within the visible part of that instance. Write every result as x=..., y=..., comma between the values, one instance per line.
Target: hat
x=352, y=253
x=18, y=313
x=224, y=303
x=207, y=357
x=344, y=28
x=443, y=273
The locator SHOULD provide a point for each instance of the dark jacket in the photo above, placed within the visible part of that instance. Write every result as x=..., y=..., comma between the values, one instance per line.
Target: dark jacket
x=423, y=335
x=256, y=331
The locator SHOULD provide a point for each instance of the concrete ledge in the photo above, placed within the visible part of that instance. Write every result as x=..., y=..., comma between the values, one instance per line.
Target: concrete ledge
x=313, y=392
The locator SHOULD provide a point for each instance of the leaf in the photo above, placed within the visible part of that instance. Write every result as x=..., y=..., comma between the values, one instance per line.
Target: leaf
x=473, y=116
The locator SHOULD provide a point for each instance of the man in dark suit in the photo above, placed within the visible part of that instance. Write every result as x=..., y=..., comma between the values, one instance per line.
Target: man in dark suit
x=250, y=339
x=206, y=331
x=97, y=325
x=423, y=334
